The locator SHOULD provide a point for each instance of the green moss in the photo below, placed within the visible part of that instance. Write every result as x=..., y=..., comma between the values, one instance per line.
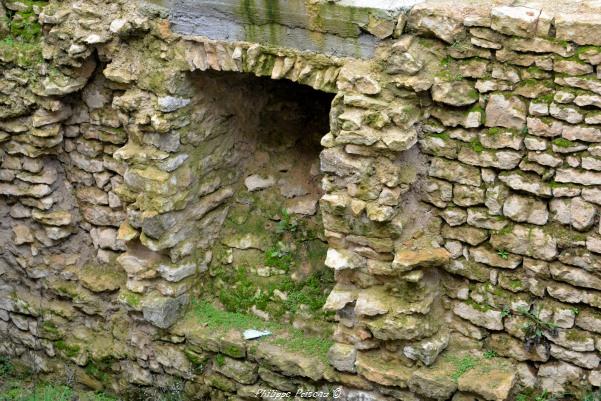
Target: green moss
x=130, y=298
x=476, y=146
x=516, y=284
x=508, y=229
x=308, y=345
x=70, y=350
x=462, y=366
x=546, y=98
x=98, y=372
x=443, y=135
x=292, y=339
x=18, y=390
x=22, y=44
x=477, y=306
x=564, y=143
x=220, y=360
x=6, y=367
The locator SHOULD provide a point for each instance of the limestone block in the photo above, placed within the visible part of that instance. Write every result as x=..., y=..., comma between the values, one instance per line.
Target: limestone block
x=524, y=209
x=454, y=93
x=526, y=241
x=505, y=111
x=495, y=385
x=162, y=311
x=241, y=371
x=556, y=375
x=455, y=171
x=574, y=276
x=465, y=233
x=527, y=182
x=577, y=176
x=454, y=216
x=427, y=350
x=515, y=21
x=344, y=259
x=587, y=360
x=342, y=357
x=484, y=254
x=297, y=364
x=481, y=218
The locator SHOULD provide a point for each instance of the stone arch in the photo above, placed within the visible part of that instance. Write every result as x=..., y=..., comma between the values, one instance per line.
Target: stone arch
x=369, y=163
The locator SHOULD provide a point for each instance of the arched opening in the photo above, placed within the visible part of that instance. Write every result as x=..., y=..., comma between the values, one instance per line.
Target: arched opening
x=261, y=138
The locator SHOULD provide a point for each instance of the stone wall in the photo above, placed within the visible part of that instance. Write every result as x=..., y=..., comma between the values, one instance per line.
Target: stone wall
x=142, y=166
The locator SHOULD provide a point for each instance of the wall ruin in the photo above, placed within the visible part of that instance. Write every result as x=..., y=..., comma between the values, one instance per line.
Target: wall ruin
x=413, y=214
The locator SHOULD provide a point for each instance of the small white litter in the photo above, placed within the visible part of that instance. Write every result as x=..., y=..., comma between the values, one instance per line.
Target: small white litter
x=252, y=334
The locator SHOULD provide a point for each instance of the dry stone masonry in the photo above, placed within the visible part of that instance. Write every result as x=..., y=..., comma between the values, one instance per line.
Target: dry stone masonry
x=404, y=193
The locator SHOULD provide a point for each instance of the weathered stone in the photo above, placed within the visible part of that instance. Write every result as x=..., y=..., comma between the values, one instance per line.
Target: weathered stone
x=525, y=182
x=437, y=192
x=586, y=360
x=102, y=278
x=344, y=259
x=544, y=127
x=241, y=371
x=162, y=311
x=455, y=171
x=490, y=319
x=510, y=347
x=343, y=357
x=433, y=382
x=22, y=234
x=574, y=276
x=465, y=233
x=296, y=364
x=454, y=216
x=427, y=350
x=515, y=20
x=494, y=385
x=168, y=104
x=407, y=260
x=526, y=241
x=555, y=375
x=455, y=93
x=58, y=218
x=452, y=118
x=371, y=366
x=581, y=133
x=501, y=138
x=483, y=254
x=576, y=176
x=525, y=209
x=481, y=218
x=466, y=195
x=21, y=189
x=508, y=112
x=501, y=159
x=575, y=211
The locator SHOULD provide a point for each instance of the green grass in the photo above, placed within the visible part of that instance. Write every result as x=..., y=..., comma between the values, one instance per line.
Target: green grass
x=279, y=257
x=23, y=391
x=503, y=254
x=22, y=43
x=477, y=146
x=292, y=339
x=462, y=366
x=299, y=342
x=242, y=292
x=216, y=319
x=6, y=366
x=564, y=143
x=489, y=354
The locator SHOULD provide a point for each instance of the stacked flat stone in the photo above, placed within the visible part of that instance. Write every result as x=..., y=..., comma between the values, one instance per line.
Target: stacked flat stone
x=462, y=180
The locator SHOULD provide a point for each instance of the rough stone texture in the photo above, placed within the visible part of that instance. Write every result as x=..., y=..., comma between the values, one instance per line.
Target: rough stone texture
x=454, y=187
